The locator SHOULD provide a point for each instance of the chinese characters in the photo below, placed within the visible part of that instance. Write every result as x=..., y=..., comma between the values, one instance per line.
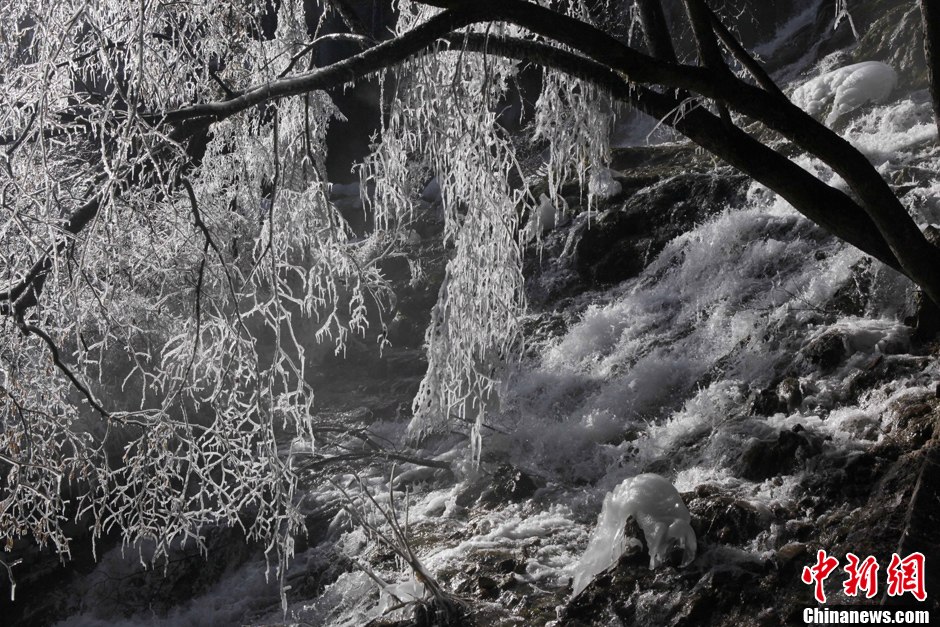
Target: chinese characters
x=904, y=575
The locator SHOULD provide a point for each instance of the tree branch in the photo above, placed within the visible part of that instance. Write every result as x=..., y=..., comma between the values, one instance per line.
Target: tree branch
x=749, y=63
x=349, y=17
x=930, y=11
x=708, y=51
x=30, y=329
x=386, y=54
x=828, y=207
x=911, y=252
x=655, y=30
x=918, y=258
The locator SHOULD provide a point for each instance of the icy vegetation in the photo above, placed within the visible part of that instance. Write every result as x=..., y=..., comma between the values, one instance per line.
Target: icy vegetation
x=845, y=89
x=745, y=353
x=659, y=375
x=657, y=507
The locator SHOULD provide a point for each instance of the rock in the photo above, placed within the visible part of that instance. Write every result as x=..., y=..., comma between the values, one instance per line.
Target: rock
x=826, y=351
x=915, y=422
x=621, y=242
x=395, y=268
x=862, y=427
x=791, y=553
x=487, y=587
x=852, y=297
x=612, y=248
x=508, y=484
x=721, y=519
x=790, y=394
x=882, y=25
x=766, y=402
x=510, y=565
x=763, y=459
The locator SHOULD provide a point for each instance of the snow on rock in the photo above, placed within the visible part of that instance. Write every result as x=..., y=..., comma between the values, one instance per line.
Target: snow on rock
x=658, y=509
x=845, y=89
x=542, y=220
x=603, y=185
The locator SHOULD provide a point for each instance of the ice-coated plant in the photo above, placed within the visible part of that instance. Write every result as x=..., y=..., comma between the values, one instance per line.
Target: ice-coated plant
x=171, y=255
x=165, y=275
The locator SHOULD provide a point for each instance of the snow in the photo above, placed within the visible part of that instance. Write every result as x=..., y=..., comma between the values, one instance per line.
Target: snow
x=602, y=183
x=844, y=90
x=657, y=507
x=542, y=221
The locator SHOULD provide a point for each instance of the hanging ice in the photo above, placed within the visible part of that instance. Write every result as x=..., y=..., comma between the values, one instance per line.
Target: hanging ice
x=846, y=89
x=657, y=507
x=542, y=219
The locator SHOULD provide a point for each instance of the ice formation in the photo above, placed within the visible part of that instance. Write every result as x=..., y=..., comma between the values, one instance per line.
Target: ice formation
x=603, y=184
x=657, y=507
x=845, y=89
x=542, y=221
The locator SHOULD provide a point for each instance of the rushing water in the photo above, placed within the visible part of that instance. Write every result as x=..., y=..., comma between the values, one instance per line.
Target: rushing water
x=655, y=375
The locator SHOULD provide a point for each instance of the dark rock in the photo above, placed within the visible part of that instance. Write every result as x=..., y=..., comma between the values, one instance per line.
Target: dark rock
x=862, y=428
x=505, y=485
x=766, y=403
x=920, y=529
x=926, y=319
x=127, y=587
x=763, y=459
x=621, y=242
x=721, y=519
x=883, y=24
x=790, y=553
x=915, y=422
x=509, y=565
x=543, y=327
x=790, y=394
x=395, y=268
x=826, y=351
x=632, y=529
x=603, y=601
x=487, y=587
x=508, y=484
x=851, y=298
x=611, y=249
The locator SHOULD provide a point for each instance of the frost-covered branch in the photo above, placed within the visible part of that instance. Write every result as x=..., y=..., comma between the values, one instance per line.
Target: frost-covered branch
x=169, y=237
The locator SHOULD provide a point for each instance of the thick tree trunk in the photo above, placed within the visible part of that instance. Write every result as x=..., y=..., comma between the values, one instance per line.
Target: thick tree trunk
x=655, y=30
x=709, y=52
x=930, y=10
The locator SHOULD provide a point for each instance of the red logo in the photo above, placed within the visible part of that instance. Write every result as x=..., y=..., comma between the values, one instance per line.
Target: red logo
x=818, y=573
x=903, y=575
x=907, y=575
x=863, y=576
